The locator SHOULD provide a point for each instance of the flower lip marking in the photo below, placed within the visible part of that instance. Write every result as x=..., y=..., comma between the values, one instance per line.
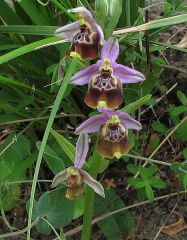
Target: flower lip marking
x=113, y=130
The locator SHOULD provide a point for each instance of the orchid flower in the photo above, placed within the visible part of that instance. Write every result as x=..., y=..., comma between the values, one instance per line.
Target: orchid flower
x=112, y=127
x=85, y=34
x=75, y=176
x=105, y=78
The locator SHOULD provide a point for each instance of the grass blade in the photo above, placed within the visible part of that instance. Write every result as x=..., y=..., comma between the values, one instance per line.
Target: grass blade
x=56, y=105
x=27, y=48
x=164, y=22
x=28, y=29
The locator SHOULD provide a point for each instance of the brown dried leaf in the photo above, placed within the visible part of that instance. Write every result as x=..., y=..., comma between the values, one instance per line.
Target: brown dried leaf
x=175, y=228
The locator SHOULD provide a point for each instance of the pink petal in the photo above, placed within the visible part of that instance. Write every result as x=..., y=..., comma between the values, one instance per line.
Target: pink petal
x=68, y=31
x=59, y=178
x=128, y=121
x=126, y=74
x=100, y=31
x=81, y=150
x=110, y=49
x=90, y=125
x=83, y=76
x=95, y=185
x=82, y=10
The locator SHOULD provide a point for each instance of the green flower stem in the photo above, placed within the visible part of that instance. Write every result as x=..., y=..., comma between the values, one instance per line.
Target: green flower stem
x=56, y=105
x=89, y=197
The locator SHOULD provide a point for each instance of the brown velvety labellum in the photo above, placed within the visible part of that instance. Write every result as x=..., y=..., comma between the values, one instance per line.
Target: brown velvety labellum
x=75, y=185
x=104, y=87
x=86, y=43
x=112, y=139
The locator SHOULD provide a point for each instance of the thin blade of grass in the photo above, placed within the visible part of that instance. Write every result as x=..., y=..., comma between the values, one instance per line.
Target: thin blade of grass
x=28, y=29
x=27, y=48
x=164, y=22
x=56, y=105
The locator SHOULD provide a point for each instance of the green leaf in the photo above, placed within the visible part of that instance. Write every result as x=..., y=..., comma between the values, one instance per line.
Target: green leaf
x=159, y=127
x=149, y=193
x=114, y=13
x=9, y=196
x=17, y=154
x=118, y=226
x=8, y=15
x=55, y=163
x=135, y=105
x=156, y=182
x=175, y=111
x=132, y=168
x=101, y=9
x=146, y=173
x=56, y=208
x=136, y=182
x=66, y=146
x=182, y=97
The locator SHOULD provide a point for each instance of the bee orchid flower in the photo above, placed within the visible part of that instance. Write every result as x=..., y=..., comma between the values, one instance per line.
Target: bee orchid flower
x=105, y=78
x=85, y=35
x=112, y=127
x=75, y=176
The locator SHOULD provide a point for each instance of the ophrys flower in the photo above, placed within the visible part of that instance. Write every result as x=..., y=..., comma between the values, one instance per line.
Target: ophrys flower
x=75, y=176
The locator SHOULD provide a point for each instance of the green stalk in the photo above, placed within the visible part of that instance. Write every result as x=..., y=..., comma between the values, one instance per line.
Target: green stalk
x=56, y=105
x=128, y=12
x=89, y=198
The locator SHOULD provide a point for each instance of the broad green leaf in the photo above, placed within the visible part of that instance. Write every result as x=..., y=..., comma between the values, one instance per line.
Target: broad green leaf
x=66, y=146
x=56, y=208
x=53, y=161
x=118, y=226
x=135, y=105
x=79, y=207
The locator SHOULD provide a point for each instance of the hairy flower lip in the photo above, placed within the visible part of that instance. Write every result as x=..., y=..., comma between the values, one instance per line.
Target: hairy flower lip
x=100, y=123
x=89, y=39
